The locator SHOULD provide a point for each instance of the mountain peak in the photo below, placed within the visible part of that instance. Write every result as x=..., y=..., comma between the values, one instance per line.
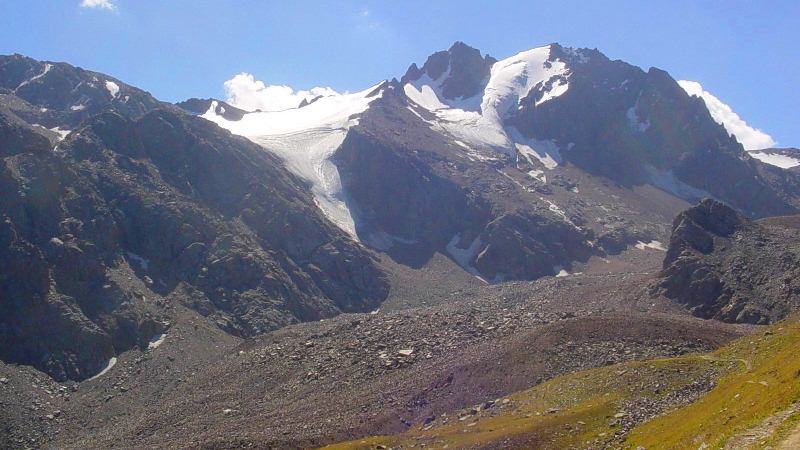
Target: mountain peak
x=461, y=71
x=459, y=45
x=200, y=106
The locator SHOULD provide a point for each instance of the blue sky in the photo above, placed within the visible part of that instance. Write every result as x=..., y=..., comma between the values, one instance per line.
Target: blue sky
x=744, y=52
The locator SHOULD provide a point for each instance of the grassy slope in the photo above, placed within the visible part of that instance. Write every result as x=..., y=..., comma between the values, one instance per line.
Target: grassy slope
x=768, y=384
x=756, y=377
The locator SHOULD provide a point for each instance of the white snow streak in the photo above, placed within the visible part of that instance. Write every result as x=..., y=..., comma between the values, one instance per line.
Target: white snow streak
x=634, y=121
x=111, y=363
x=47, y=68
x=751, y=138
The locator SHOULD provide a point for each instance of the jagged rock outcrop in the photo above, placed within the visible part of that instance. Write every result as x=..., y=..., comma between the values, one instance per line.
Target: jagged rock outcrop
x=723, y=266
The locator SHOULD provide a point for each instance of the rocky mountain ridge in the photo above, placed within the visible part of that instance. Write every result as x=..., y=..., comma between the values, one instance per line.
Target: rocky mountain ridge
x=129, y=212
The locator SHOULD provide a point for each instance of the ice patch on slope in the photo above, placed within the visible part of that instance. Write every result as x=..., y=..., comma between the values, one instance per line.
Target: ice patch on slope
x=538, y=175
x=382, y=240
x=156, y=341
x=306, y=138
x=112, y=88
x=667, y=181
x=653, y=245
x=61, y=133
x=775, y=159
x=544, y=151
x=464, y=256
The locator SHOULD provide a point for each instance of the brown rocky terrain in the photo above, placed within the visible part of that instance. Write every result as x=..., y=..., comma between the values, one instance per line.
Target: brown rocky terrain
x=363, y=374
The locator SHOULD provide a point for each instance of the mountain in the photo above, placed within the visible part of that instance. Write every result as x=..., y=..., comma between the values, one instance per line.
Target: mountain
x=724, y=266
x=133, y=212
x=519, y=168
x=548, y=250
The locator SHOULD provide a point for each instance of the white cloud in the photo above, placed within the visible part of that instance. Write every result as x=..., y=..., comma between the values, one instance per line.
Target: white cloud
x=100, y=4
x=751, y=138
x=245, y=92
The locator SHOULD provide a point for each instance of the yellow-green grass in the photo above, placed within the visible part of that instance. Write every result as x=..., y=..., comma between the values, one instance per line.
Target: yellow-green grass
x=766, y=382
x=756, y=377
x=571, y=411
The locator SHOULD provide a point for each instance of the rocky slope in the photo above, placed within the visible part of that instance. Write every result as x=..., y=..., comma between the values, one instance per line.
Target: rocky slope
x=362, y=374
x=127, y=214
x=723, y=266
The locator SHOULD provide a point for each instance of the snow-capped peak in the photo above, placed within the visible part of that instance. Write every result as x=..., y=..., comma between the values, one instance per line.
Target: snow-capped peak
x=514, y=78
x=480, y=120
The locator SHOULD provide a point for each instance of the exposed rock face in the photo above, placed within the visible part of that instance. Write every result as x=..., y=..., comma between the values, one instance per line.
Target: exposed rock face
x=199, y=106
x=130, y=213
x=462, y=70
x=724, y=266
